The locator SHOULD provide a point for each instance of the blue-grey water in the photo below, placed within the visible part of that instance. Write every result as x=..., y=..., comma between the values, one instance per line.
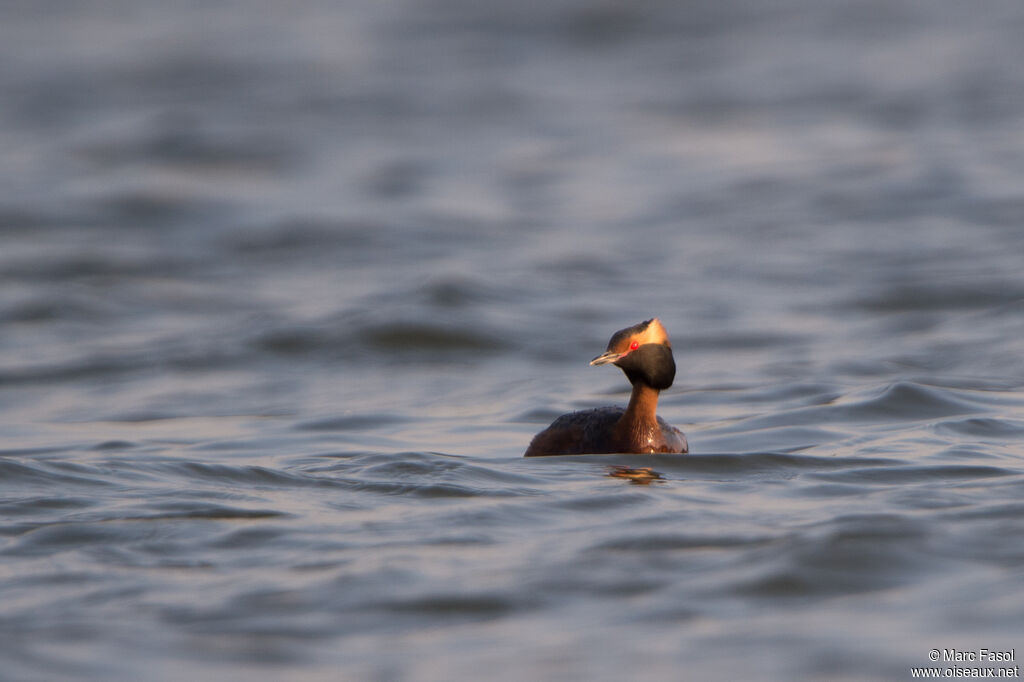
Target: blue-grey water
x=287, y=288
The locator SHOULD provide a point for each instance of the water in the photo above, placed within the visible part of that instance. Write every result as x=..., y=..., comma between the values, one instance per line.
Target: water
x=285, y=291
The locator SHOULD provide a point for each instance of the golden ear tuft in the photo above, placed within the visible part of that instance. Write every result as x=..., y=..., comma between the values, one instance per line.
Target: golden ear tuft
x=655, y=333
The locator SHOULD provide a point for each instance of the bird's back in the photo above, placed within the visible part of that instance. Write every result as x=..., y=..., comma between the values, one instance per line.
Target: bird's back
x=593, y=432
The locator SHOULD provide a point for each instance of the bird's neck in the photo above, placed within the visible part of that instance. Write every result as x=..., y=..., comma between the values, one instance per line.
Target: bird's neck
x=638, y=428
x=643, y=404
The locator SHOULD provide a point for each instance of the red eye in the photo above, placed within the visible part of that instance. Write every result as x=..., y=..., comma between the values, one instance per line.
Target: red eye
x=634, y=345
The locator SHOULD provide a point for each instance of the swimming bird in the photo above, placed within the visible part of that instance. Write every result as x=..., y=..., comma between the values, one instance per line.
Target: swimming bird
x=644, y=353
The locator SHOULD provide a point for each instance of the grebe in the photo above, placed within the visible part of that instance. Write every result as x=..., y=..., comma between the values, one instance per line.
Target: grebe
x=644, y=353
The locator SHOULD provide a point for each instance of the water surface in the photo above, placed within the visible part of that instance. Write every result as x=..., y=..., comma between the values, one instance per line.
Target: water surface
x=286, y=291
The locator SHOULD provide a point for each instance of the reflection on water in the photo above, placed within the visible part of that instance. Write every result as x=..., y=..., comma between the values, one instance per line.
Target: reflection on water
x=638, y=475
x=285, y=292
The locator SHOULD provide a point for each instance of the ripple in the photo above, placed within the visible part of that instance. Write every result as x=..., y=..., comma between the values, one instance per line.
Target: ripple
x=60, y=537
x=784, y=439
x=455, y=606
x=661, y=542
x=220, y=474
x=30, y=506
x=983, y=427
x=916, y=474
x=355, y=422
x=411, y=339
x=419, y=467
x=850, y=554
x=905, y=400
x=176, y=140
x=252, y=538
x=207, y=510
x=48, y=474
x=942, y=296
x=305, y=235
x=753, y=463
x=609, y=502
x=898, y=402
x=427, y=337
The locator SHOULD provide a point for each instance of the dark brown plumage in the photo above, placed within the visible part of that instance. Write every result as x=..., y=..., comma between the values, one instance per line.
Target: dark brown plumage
x=644, y=353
